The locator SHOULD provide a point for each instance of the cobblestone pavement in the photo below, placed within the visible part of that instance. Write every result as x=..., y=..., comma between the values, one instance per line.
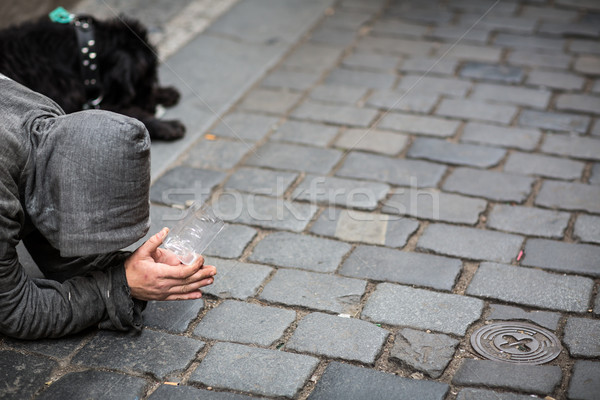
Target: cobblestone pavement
x=394, y=176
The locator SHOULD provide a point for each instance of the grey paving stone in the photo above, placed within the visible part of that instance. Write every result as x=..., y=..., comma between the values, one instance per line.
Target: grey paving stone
x=595, y=177
x=338, y=94
x=587, y=228
x=483, y=394
x=426, y=64
x=555, y=80
x=584, y=45
x=596, y=127
x=421, y=125
x=483, y=6
x=294, y=157
x=531, y=287
x=471, y=243
x=393, y=45
x=95, y=384
x=432, y=84
x=539, y=59
x=254, y=370
x=469, y=52
x=235, y=321
x=495, y=22
x=172, y=316
x=369, y=79
x=270, y=101
x=537, y=164
x=589, y=65
x=305, y=133
x=394, y=27
x=266, y=212
x=245, y=126
x=216, y=154
x=381, y=264
x=529, y=42
x=352, y=19
x=520, y=138
x=472, y=109
x=455, y=153
x=231, y=242
x=540, y=379
x=371, y=61
x=546, y=319
x=582, y=337
x=155, y=353
x=334, y=114
x=573, y=146
x=536, y=98
x=460, y=33
x=56, y=348
x=403, y=101
x=348, y=382
x=339, y=191
x=371, y=228
x=336, y=337
x=569, y=196
x=578, y=103
x=300, y=251
x=22, y=375
x=427, y=352
x=549, y=13
x=585, y=382
x=425, y=14
x=181, y=392
x=494, y=185
x=235, y=279
x=332, y=36
x=311, y=56
x=291, y=79
x=596, y=87
x=373, y=140
x=554, y=121
x=261, y=181
x=492, y=72
x=422, y=309
x=315, y=291
x=391, y=170
x=528, y=221
x=434, y=205
x=182, y=184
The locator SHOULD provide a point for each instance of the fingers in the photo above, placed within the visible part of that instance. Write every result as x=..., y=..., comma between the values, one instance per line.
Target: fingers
x=192, y=287
x=182, y=271
x=152, y=244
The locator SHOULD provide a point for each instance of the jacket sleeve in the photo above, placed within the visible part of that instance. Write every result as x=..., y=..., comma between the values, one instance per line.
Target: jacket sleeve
x=48, y=308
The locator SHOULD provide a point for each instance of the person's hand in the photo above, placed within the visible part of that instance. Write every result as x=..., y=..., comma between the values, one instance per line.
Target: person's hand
x=156, y=274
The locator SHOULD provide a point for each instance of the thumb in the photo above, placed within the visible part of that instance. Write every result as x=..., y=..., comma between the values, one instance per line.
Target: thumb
x=156, y=240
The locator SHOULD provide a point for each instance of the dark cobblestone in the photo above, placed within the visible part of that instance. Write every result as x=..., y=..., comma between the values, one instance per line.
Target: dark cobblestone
x=216, y=154
x=337, y=337
x=261, y=181
x=348, y=382
x=95, y=384
x=270, y=101
x=312, y=57
x=426, y=64
x=493, y=185
x=539, y=59
x=231, y=242
x=432, y=84
x=181, y=392
x=334, y=114
x=371, y=61
x=427, y=352
x=22, y=375
x=508, y=313
x=530, y=287
x=555, y=80
x=554, y=121
x=577, y=147
x=455, y=153
x=245, y=126
x=569, y=196
x=338, y=94
x=550, y=167
x=582, y=337
x=305, y=133
x=587, y=228
x=381, y=264
x=423, y=125
x=535, y=98
x=172, y=316
x=521, y=138
x=294, y=157
x=300, y=251
x=540, y=379
x=422, y=309
x=377, y=141
x=369, y=79
x=290, y=79
x=492, y=72
x=528, y=221
x=472, y=109
x=471, y=243
x=578, y=103
x=585, y=382
x=483, y=394
x=313, y=290
x=403, y=101
x=235, y=279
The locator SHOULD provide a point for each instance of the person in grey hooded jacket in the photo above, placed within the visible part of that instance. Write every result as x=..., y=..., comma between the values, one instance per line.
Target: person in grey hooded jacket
x=74, y=189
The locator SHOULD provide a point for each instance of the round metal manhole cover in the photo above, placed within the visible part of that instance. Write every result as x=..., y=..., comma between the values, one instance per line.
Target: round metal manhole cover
x=516, y=342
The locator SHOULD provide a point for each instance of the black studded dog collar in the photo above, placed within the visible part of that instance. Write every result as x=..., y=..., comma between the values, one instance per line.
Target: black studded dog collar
x=88, y=60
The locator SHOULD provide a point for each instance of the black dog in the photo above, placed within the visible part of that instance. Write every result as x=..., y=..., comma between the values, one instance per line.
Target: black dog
x=47, y=57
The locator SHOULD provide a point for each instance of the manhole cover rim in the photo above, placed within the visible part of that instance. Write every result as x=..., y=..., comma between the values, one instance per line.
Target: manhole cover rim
x=550, y=354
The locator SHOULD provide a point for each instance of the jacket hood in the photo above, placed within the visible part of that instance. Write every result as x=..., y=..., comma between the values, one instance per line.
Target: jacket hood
x=87, y=176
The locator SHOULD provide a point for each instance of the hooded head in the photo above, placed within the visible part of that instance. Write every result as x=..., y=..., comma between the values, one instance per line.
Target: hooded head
x=85, y=181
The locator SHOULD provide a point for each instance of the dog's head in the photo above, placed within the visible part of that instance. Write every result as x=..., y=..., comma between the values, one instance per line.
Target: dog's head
x=129, y=64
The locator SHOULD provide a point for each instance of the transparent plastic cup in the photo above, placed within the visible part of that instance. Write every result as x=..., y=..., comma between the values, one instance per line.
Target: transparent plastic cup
x=193, y=233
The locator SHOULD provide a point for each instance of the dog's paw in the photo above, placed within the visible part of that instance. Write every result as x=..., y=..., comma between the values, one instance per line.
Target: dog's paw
x=166, y=130
x=167, y=96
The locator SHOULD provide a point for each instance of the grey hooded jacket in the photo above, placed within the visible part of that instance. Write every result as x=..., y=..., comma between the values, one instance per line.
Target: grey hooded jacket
x=74, y=189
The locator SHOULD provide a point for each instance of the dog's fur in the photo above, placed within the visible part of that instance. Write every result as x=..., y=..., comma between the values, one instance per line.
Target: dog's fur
x=44, y=56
